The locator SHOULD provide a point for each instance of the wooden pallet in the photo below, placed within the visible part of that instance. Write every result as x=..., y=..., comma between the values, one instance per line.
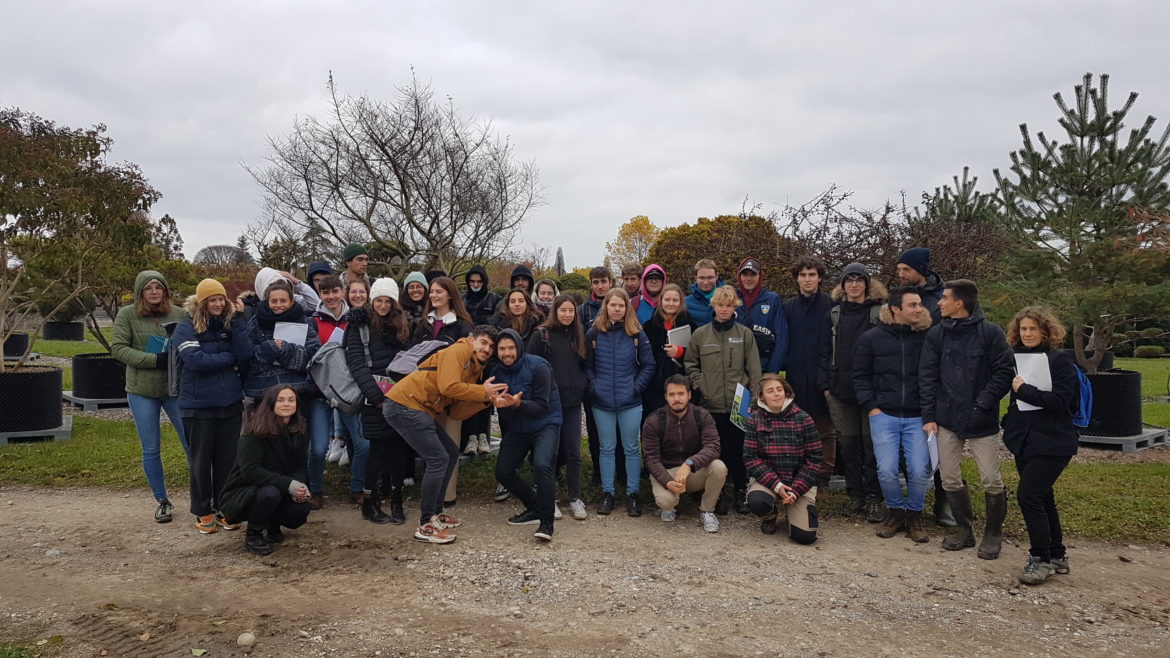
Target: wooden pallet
x=93, y=404
x=62, y=433
x=1150, y=438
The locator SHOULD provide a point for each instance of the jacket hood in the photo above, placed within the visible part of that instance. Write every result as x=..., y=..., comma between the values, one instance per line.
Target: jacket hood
x=975, y=318
x=264, y=278
x=522, y=270
x=789, y=408
x=320, y=267
x=877, y=292
x=324, y=311
x=515, y=336
x=653, y=267
x=477, y=269
x=146, y=276
x=933, y=282
x=887, y=317
x=699, y=294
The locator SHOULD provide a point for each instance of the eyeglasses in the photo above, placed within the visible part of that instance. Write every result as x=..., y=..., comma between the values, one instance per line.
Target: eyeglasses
x=854, y=279
x=706, y=278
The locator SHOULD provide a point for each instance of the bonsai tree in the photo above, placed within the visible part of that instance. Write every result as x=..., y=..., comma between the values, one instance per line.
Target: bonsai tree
x=1089, y=209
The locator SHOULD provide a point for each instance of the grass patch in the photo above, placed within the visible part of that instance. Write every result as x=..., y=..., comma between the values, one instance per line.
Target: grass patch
x=1155, y=373
x=69, y=348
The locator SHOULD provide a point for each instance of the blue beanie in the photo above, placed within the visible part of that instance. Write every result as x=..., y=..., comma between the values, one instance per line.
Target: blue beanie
x=918, y=258
x=320, y=267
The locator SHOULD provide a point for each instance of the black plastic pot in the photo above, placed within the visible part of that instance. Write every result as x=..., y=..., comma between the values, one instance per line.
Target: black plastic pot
x=16, y=345
x=1106, y=361
x=30, y=399
x=98, y=376
x=1117, y=403
x=63, y=331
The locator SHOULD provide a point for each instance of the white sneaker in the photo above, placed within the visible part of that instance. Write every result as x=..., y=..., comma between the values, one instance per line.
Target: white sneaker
x=577, y=507
x=501, y=494
x=710, y=523
x=557, y=512
x=335, y=450
x=485, y=444
x=343, y=460
x=472, y=445
x=668, y=515
x=408, y=482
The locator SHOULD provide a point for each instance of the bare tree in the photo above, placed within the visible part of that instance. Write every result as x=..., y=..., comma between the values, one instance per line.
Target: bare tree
x=222, y=255
x=411, y=176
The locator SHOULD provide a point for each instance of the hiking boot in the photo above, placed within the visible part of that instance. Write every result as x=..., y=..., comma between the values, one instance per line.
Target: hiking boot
x=875, y=511
x=164, y=512
x=397, y=515
x=336, y=448
x=893, y=523
x=527, y=517
x=432, y=534
x=1060, y=564
x=768, y=526
x=916, y=527
x=577, y=509
x=961, y=506
x=855, y=507
x=501, y=494
x=255, y=543
x=275, y=535
x=1036, y=571
x=709, y=521
x=372, y=509
x=741, y=506
x=943, y=509
x=485, y=448
x=206, y=524
x=356, y=498
x=606, y=505
x=668, y=515
x=316, y=501
x=445, y=521
x=633, y=505
x=557, y=515
x=544, y=532
x=993, y=530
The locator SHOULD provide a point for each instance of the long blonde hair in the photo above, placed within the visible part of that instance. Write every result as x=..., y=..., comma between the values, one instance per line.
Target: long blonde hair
x=603, y=323
x=200, y=317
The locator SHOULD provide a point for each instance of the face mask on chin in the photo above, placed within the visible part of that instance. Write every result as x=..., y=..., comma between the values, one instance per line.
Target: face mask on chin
x=474, y=287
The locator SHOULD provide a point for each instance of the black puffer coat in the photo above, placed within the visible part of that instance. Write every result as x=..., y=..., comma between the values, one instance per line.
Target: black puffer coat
x=885, y=367
x=1048, y=431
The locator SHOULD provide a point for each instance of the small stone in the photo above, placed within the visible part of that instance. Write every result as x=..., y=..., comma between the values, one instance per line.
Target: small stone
x=246, y=639
x=52, y=552
x=303, y=633
x=1014, y=592
x=1124, y=558
x=871, y=574
x=597, y=612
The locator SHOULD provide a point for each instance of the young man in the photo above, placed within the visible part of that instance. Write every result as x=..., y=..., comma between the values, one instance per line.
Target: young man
x=632, y=281
x=885, y=369
x=763, y=313
x=858, y=300
x=680, y=444
x=699, y=301
x=522, y=279
x=530, y=417
x=805, y=314
x=967, y=367
x=653, y=281
x=914, y=271
x=356, y=260
x=479, y=299
x=445, y=383
x=599, y=284
x=316, y=272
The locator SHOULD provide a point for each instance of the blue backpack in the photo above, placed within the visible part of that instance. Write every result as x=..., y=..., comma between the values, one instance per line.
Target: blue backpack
x=1084, y=412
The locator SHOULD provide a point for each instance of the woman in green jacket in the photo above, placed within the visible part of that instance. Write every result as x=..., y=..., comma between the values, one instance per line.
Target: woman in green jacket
x=140, y=341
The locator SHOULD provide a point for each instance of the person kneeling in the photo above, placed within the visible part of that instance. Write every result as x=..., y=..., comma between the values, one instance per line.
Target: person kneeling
x=781, y=444
x=681, y=444
x=266, y=486
x=530, y=418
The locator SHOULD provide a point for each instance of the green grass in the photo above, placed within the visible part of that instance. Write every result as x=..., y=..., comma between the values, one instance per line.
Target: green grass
x=1154, y=374
x=69, y=348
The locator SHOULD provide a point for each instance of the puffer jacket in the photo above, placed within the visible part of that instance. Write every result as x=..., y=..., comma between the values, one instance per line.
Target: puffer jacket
x=967, y=367
x=480, y=305
x=699, y=304
x=930, y=292
x=208, y=378
x=146, y=373
x=588, y=310
x=540, y=404
x=270, y=365
x=835, y=373
x=719, y=357
x=619, y=367
x=885, y=366
x=1049, y=430
x=446, y=382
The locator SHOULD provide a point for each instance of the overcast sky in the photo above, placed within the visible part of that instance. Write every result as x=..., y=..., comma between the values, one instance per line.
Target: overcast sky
x=674, y=110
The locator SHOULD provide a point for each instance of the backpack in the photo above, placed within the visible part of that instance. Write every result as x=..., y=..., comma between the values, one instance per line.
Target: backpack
x=1084, y=412
x=330, y=372
x=637, y=358
x=875, y=315
x=407, y=361
x=174, y=363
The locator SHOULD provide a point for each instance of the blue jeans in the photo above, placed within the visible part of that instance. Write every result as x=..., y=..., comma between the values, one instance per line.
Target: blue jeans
x=608, y=423
x=320, y=419
x=146, y=420
x=895, y=437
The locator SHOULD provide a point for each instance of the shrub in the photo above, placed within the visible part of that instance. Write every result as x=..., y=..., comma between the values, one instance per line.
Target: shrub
x=1149, y=351
x=573, y=281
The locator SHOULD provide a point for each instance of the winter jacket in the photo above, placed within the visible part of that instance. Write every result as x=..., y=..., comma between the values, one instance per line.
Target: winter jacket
x=930, y=292
x=806, y=326
x=588, y=310
x=540, y=406
x=303, y=293
x=835, y=373
x=719, y=357
x=325, y=322
x=782, y=447
x=368, y=359
x=967, y=367
x=699, y=304
x=481, y=306
x=619, y=367
x=146, y=373
x=885, y=366
x=260, y=462
x=522, y=271
x=270, y=365
x=558, y=348
x=655, y=394
x=446, y=382
x=1048, y=431
x=646, y=304
x=668, y=441
x=208, y=378
x=769, y=324
x=454, y=328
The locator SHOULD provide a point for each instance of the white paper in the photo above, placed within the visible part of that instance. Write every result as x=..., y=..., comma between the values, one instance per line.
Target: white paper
x=680, y=336
x=337, y=336
x=1033, y=368
x=291, y=332
x=932, y=448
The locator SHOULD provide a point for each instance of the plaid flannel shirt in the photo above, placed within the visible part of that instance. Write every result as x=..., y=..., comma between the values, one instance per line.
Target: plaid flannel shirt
x=783, y=447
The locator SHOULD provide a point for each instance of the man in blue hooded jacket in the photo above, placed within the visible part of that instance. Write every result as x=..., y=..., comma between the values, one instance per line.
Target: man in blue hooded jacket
x=699, y=300
x=763, y=313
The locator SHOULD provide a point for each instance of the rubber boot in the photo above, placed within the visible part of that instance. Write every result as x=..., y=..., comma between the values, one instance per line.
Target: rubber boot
x=254, y=541
x=397, y=515
x=993, y=530
x=943, y=514
x=961, y=504
x=372, y=510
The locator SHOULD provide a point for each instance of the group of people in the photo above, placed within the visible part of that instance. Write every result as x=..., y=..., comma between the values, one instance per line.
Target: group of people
x=873, y=382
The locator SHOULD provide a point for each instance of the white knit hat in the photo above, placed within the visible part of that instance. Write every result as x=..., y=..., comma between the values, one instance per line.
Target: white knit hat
x=384, y=287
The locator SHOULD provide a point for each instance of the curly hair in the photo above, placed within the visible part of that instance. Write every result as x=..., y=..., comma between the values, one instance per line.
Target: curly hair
x=1052, y=328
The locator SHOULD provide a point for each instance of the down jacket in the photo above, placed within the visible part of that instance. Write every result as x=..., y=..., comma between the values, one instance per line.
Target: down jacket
x=270, y=365
x=366, y=360
x=146, y=373
x=885, y=366
x=208, y=378
x=619, y=367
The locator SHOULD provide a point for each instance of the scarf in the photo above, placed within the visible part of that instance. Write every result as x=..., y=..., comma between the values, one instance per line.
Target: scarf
x=267, y=318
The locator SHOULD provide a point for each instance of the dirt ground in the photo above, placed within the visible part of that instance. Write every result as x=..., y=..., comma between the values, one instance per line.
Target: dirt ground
x=88, y=571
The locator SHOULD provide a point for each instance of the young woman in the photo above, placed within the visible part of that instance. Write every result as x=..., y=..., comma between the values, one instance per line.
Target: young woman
x=520, y=314
x=266, y=486
x=357, y=293
x=782, y=451
x=140, y=341
x=544, y=296
x=275, y=361
x=415, y=299
x=211, y=398
x=561, y=341
x=374, y=338
x=340, y=452
x=1042, y=439
x=670, y=313
x=721, y=355
x=619, y=364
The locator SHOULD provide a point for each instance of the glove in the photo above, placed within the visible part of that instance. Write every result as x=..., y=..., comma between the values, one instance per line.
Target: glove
x=161, y=361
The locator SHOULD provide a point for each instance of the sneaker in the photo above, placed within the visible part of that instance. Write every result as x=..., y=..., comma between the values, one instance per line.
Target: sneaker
x=875, y=511
x=577, y=508
x=668, y=516
x=606, y=505
x=710, y=523
x=633, y=505
x=408, y=482
x=557, y=512
x=221, y=521
x=485, y=446
x=335, y=450
x=445, y=521
x=343, y=460
x=1060, y=565
x=472, y=445
x=206, y=524
x=544, y=532
x=163, y=513
x=527, y=517
x=1036, y=571
x=501, y=494
x=432, y=534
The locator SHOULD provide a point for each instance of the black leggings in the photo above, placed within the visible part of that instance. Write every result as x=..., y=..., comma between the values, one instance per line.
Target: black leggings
x=1038, y=504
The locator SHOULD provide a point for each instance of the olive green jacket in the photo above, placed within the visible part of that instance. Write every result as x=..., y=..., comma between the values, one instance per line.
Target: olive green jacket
x=718, y=360
x=131, y=334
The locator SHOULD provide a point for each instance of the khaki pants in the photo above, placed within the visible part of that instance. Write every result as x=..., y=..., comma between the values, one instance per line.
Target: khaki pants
x=709, y=480
x=797, y=513
x=985, y=449
x=452, y=428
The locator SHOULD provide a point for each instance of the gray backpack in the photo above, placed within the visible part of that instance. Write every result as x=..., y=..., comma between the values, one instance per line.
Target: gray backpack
x=330, y=372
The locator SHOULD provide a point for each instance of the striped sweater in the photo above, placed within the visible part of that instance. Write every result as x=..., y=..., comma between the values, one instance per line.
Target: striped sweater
x=782, y=447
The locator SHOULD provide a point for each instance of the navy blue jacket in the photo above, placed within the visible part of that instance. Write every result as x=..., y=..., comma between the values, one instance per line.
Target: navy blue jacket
x=587, y=311
x=767, y=320
x=618, y=370
x=699, y=305
x=806, y=329
x=540, y=406
x=208, y=378
x=271, y=365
